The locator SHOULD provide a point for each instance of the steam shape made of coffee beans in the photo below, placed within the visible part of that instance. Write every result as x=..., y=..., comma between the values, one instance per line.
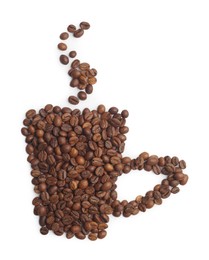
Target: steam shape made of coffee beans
x=76, y=159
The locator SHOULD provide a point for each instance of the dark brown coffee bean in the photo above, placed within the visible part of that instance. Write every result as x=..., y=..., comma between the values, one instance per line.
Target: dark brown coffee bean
x=30, y=113
x=64, y=36
x=78, y=33
x=89, y=89
x=44, y=231
x=82, y=95
x=71, y=28
x=64, y=59
x=73, y=100
x=125, y=113
x=182, y=164
x=72, y=54
x=62, y=46
x=75, y=64
x=84, y=25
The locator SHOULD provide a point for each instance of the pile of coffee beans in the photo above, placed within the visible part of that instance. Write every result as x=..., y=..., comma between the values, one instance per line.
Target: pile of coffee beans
x=76, y=159
x=83, y=77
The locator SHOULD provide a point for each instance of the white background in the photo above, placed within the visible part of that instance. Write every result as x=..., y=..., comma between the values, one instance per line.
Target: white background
x=153, y=59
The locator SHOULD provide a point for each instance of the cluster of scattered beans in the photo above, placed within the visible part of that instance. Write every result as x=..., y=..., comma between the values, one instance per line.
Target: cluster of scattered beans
x=83, y=77
x=76, y=158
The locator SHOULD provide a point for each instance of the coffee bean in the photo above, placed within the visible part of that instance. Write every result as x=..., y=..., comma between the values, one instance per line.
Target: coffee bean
x=78, y=33
x=92, y=80
x=82, y=95
x=92, y=236
x=89, y=89
x=75, y=64
x=64, y=59
x=175, y=190
x=184, y=180
x=73, y=100
x=64, y=36
x=72, y=54
x=44, y=231
x=107, y=186
x=71, y=28
x=62, y=46
x=84, y=25
x=125, y=113
x=84, y=66
x=182, y=164
x=30, y=113
x=152, y=160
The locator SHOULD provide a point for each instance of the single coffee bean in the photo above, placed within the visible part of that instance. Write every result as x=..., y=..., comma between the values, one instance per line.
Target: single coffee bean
x=72, y=54
x=71, y=28
x=64, y=59
x=92, y=236
x=102, y=234
x=84, y=25
x=92, y=80
x=84, y=66
x=73, y=100
x=82, y=95
x=152, y=160
x=182, y=164
x=89, y=89
x=62, y=46
x=184, y=180
x=64, y=36
x=44, y=231
x=30, y=113
x=78, y=33
x=75, y=64
x=125, y=113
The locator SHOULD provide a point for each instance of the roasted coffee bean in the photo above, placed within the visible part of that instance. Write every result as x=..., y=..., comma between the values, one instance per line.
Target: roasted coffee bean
x=182, y=164
x=82, y=95
x=184, y=180
x=44, y=231
x=78, y=33
x=152, y=160
x=64, y=36
x=75, y=64
x=72, y=54
x=84, y=25
x=71, y=28
x=64, y=59
x=73, y=100
x=62, y=46
x=84, y=66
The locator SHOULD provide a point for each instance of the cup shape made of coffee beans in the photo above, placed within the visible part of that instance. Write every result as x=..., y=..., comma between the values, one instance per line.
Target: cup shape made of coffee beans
x=76, y=159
